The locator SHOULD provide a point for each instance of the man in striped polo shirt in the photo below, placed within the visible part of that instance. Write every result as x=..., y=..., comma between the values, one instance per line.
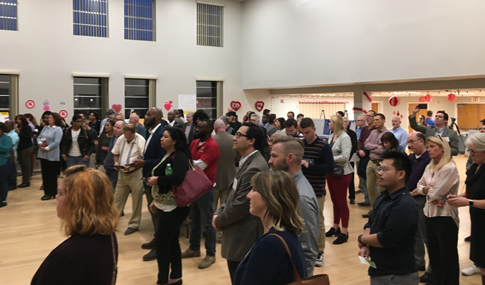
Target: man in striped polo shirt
x=317, y=160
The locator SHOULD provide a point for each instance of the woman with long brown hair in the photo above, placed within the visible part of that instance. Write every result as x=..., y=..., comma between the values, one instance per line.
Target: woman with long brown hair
x=85, y=205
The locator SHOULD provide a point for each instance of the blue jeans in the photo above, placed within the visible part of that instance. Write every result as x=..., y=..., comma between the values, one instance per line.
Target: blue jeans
x=201, y=213
x=366, y=195
x=4, y=172
x=113, y=177
x=76, y=160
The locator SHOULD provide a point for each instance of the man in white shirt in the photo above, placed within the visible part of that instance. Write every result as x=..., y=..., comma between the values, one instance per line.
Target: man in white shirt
x=129, y=148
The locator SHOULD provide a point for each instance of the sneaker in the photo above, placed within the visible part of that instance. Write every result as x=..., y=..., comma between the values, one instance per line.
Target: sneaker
x=190, y=253
x=3, y=204
x=207, y=262
x=319, y=261
x=470, y=270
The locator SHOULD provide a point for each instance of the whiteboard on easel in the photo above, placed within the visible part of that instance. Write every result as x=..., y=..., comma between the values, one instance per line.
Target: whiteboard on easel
x=188, y=102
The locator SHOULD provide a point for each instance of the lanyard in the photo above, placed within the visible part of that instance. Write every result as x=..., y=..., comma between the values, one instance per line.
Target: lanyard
x=129, y=152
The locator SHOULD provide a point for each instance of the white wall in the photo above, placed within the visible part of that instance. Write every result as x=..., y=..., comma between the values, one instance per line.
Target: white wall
x=46, y=53
x=292, y=104
x=317, y=42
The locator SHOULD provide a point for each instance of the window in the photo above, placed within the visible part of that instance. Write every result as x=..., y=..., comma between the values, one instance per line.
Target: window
x=139, y=20
x=136, y=97
x=8, y=15
x=87, y=95
x=207, y=97
x=90, y=18
x=4, y=95
x=209, y=25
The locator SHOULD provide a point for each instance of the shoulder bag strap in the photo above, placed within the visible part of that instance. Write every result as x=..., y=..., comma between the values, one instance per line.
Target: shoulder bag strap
x=296, y=275
x=115, y=265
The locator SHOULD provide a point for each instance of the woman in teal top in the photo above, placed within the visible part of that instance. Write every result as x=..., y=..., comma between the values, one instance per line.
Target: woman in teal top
x=5, y=146
x=49, y=154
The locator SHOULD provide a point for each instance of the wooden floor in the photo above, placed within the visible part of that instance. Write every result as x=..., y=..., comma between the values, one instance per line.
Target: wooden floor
x=29, y=230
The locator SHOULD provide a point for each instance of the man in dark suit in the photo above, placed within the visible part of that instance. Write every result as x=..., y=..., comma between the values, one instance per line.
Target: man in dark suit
x=353, y=139
x=153, y=152
x=189, y=128
x=241, y=229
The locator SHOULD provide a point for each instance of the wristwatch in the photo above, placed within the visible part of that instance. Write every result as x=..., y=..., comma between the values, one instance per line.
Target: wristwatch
x=470, y=203
x=359, y=239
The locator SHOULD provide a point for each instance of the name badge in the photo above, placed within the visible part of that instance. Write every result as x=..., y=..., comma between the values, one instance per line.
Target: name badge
x=446, y=139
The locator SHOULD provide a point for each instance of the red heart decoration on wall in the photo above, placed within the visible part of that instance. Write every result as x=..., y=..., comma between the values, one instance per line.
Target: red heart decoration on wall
x=236, y=105
x=116, y=107
x=168, y=105
x=259, y=105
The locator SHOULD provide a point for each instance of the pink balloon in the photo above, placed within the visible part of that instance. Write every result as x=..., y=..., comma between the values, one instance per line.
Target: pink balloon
x=47, y=108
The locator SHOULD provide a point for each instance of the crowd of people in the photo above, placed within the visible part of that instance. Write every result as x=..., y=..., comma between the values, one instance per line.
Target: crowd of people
x=269, y=177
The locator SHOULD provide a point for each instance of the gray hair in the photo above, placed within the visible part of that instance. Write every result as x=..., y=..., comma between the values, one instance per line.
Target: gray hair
x=225, y=119
x=110, y=112
x=476, y=142
x=219, y=124
x=257, y=117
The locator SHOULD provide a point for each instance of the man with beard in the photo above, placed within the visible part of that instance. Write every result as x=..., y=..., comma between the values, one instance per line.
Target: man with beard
x=205, y=153
x=287, y=155
x=152, y=154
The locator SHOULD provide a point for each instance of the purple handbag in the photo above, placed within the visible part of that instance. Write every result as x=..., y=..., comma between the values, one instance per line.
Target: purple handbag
x=195, y=184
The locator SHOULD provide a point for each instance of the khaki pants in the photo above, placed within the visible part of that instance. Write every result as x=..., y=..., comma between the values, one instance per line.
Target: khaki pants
x=220, y=195
x=130, y=182
x=321, y=233
x=372, y=181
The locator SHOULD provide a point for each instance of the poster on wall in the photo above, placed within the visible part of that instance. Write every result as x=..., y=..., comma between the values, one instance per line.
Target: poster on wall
x=188, y=102
x=321, y=126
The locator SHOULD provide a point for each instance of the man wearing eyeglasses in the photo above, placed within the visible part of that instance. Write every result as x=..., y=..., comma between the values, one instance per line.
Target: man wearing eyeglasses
x=441, y=129
x=390, y=232
x=241, y=229
x=419, y=159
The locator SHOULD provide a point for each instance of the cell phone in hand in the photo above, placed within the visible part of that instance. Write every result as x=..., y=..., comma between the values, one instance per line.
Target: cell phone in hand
x=423, y=106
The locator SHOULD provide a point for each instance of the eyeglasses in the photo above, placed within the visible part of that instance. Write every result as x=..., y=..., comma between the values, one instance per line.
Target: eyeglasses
x=384, y=169
x=411, y=141
x=238, y=135
x=473, y=152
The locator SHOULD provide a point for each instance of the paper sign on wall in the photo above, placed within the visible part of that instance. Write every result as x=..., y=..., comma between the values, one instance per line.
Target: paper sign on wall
x=188, y=102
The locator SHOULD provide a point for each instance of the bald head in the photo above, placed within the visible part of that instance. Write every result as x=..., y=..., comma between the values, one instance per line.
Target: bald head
x=134, y=119
x=396, y=122
x=219, y=125
x=10, y=125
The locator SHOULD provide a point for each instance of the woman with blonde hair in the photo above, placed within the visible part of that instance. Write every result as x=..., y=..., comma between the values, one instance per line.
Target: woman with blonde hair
x=274, y=199
x=440, y=178
x=338, y=183
x=86, y=209
x=474, y=198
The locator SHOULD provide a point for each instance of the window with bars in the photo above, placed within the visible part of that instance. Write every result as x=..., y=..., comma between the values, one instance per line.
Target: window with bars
x=90, y=18
x=136, y=97
x=207, y=98
x=139, y=20
x=8, y=15
x=87, y=95
x=4, y=94
x=210, y=19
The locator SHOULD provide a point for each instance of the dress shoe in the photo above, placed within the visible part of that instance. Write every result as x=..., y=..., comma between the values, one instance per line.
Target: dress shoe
x=207, y=262
x=352, y=201
x=130, y=231
x=176, y=283
x=3, y=204
x=364, y=204
x=366, y=215
x=332, y=232
x=190, y=253
x=342, y=238
x=152, y=255
x=426, y=278
x=149, y=245
x=47, y=197
x=23, y=185
x=468, y=239
x=12, y=187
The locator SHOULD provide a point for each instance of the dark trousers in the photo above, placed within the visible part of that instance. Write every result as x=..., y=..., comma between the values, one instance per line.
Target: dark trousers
x=201, y=213
x=167, y=243
x=12, y=175
x=113, y=177
x=442, y=235
x=50, y=170
x=232, y=265
x=4, y=171
x=25, y=161
x=352, y=185
x=156, y=216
